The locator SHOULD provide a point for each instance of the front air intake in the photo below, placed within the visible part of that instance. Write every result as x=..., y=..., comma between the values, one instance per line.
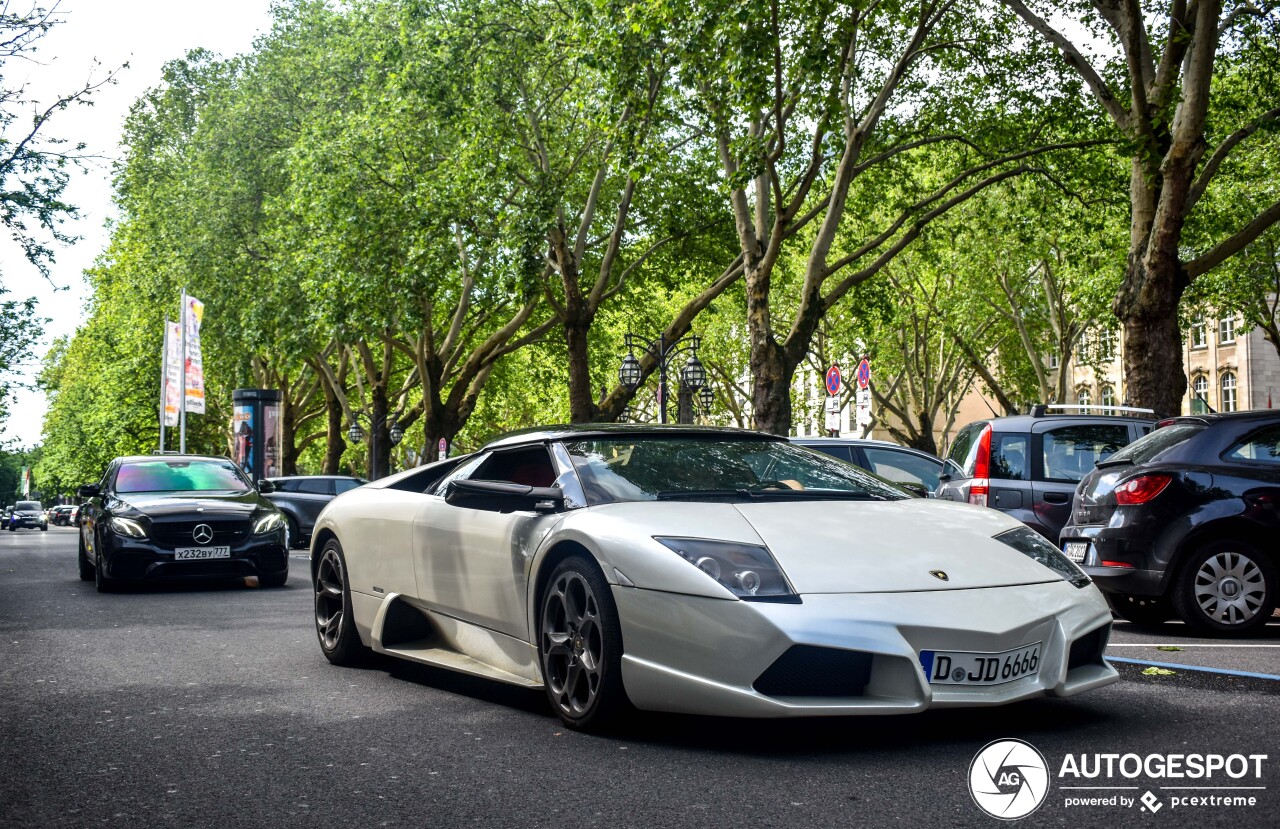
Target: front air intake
x=1087, y=650
x=811, y=671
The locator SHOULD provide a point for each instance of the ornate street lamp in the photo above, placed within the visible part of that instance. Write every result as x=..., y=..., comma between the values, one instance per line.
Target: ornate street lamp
x=356, y=434
x=692, y=376
x=706, y=397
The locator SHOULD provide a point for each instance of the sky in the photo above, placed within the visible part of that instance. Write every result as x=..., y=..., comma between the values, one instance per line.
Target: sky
x=95, y=37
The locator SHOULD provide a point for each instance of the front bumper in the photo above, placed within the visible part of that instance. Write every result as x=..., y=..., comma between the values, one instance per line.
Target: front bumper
x=27, y=524
x=696, y=655
x=138, y=559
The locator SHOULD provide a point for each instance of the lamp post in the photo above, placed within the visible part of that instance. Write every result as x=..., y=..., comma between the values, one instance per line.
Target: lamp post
x=356, y=434
x=692, y=375
x=705, y=398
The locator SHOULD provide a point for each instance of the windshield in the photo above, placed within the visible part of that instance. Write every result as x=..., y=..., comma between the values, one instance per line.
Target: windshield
x=1145, y=448
x=180, y=476
x=27, y=506
x=646, y=468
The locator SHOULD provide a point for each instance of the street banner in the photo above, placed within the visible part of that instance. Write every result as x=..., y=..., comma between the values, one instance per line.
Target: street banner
x=172, y=373
x=193, y=315
x=26, y=482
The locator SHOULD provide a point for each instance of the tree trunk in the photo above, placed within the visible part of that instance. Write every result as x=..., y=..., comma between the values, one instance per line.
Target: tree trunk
x=770, y=386
x=334, y=445
x=1153, y=360
x=379, y=432
x=923, y=437
x=288, y=435
x=577, y=328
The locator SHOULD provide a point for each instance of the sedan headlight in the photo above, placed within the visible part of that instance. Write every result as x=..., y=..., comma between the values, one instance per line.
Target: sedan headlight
x=1034, y=546
x=746, y=570
x=268, y=523
x=128, y=527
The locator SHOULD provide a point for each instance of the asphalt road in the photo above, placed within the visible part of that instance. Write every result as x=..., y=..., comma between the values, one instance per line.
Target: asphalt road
x=212, y=707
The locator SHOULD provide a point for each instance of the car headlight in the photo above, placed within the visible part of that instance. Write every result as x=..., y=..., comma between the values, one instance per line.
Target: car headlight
x=268, y=523
x=1034, y=546
x=128, y=527
x=746, y=570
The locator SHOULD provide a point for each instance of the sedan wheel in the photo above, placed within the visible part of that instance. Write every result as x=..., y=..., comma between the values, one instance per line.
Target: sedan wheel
x=100, y=578
x=1226, y=587
x=86, y=566
x=580, y=646
x=335, y=624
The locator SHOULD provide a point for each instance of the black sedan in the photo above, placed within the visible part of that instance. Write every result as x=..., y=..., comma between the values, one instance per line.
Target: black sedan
x=1184, y=521
x=177, y=517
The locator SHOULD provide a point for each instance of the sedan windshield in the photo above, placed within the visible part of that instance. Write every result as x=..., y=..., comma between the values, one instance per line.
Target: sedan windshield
x=647, y=468
x=180, y=476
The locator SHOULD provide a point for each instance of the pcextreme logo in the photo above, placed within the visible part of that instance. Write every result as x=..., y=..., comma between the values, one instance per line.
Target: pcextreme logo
x=1009, y=779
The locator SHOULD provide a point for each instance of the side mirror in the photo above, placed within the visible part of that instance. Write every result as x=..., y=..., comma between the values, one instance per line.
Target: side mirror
x=89, y=491
x=501, y=496
x=265, y=486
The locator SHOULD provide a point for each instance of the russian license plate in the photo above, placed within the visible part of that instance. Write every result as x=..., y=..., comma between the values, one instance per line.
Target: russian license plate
x=967, y=668
x=194, y=553
x=1076, y=550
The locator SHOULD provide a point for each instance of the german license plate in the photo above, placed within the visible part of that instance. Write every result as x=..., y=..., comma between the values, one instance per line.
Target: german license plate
x=970, y=668
x=1076, y=550
x=194, y=553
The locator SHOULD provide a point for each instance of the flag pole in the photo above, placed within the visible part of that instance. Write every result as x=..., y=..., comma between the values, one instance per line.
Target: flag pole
x=164, y=377
x=182, y=398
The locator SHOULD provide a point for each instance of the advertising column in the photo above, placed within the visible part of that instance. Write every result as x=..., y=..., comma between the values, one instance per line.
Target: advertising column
x=255, y=432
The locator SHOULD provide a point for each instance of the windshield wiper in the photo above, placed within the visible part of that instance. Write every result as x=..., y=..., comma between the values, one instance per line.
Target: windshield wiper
x=763, y=494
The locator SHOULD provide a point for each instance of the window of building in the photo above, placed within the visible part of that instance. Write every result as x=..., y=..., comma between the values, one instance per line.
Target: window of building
x=1227, y=330
x=1082, y=349
x=1199, y=338
x=1108, y=396
x=1083, y=398
x=1106, y=346
x=1200, y=394
x=1053, y=359
x=1227, y=402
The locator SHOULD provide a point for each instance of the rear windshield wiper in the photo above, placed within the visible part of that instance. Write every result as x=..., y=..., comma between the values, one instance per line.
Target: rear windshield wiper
x=1113, y=461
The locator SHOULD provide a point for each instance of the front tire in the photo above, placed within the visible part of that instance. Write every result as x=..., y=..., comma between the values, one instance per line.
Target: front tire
x=335, y=623
x=293, y=534
x=1227, y=587
x=100, y=578
x=1143, y=611
x=580, y=647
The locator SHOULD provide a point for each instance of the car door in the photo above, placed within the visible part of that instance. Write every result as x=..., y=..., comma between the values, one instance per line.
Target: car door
x=473, y=558
x=1065, y=453
x=311, y=496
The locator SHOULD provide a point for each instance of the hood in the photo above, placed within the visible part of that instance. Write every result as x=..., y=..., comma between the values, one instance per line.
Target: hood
x=890, y=546
x=154, y=505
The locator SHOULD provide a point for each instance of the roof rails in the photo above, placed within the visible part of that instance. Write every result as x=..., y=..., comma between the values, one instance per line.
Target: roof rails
x=1041, y=409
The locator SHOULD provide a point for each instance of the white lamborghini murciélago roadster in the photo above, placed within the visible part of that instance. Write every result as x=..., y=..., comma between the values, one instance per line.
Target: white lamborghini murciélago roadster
x=700, y=570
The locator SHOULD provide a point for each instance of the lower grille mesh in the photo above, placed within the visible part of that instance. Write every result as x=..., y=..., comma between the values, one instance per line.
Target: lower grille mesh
x=811, y=671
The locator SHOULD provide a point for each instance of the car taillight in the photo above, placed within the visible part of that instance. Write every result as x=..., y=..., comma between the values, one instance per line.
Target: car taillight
x=1141, y=489
x=980, y=484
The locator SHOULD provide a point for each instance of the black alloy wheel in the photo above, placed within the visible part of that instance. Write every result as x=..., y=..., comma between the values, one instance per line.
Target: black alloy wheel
x=335, y=624
x=293, y=535
x=1143, y=611
x=1227, y=587
x=580, y=647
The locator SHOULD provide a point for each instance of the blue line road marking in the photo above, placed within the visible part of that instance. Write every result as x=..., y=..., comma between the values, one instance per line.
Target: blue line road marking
x=1201, y=668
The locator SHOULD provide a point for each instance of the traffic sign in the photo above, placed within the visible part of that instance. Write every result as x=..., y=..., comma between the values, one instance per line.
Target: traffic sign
x=444, y=449
x=864, y=374
x=833, y=380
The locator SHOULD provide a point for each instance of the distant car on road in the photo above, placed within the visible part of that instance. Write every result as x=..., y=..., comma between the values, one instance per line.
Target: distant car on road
x=179, y=516
x=61, y=516
x=27, y=515
x=302, y=497
x=1027, y=466
x=912, y=469
x=1185, y=522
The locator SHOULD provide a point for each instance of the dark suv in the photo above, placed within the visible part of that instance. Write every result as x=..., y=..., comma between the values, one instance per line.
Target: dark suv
x=28, y=514
x=301, y=497
x=1028, y=465
x=1185, y=522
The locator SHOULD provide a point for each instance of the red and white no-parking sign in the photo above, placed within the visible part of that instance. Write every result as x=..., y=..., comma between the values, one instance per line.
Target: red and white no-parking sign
x=863, y=374
x=833, y=380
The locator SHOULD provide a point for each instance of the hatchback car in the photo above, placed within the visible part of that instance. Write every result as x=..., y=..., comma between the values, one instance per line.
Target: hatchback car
x=27, y=515
x=179, y=516
x=1184, y=522
x=302, y=497
x=911, y=469
x=1028, y=466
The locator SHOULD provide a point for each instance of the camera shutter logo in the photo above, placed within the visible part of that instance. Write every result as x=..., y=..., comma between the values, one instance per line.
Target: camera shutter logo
x=203, y=533
x=1008, y=779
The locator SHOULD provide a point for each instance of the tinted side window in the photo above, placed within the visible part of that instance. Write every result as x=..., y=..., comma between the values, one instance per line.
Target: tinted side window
x=530, y=467
x=903, y=467
x=285, y=484
x=840, y=452
x=960, y=448
x=1010, y=452
x=312, y=486
x=1071, y=452
x=1260, y=447
x=345, y=484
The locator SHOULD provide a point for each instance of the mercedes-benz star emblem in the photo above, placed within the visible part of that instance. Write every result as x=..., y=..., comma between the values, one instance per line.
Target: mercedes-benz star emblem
x=203, y=533
x=938, y=574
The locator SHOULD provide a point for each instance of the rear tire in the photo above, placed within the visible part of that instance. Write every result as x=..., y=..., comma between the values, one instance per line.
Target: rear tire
x=335, y=623
x=1143, y=611
x=294, y=534
x=86, y=569
x=1226, y=588
x=580, y=647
